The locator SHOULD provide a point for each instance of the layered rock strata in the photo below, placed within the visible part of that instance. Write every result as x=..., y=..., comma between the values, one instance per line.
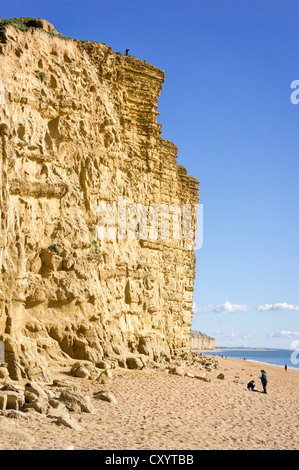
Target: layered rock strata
x=201, y=341
x=79, y=133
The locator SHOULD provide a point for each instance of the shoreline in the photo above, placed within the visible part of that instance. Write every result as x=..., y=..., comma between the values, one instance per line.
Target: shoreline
x=253, y=362
x=216, y=356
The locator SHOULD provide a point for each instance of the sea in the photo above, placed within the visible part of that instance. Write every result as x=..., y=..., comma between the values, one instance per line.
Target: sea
x=277, y=357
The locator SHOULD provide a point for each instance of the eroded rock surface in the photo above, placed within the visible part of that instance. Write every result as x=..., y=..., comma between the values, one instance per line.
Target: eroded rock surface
x=78, y=129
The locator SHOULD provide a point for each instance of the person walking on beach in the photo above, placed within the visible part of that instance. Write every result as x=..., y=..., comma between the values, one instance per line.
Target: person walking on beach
x=264, y=380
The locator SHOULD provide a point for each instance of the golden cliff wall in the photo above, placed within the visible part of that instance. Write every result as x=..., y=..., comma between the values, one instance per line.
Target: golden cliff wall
x=79, y=129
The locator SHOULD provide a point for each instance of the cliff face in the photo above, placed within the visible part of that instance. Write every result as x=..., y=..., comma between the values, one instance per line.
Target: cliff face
x=201, y=341
x=79, y=130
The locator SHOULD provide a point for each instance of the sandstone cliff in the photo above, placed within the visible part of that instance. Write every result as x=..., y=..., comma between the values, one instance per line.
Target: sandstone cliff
x=79, y=128
x=201, y=341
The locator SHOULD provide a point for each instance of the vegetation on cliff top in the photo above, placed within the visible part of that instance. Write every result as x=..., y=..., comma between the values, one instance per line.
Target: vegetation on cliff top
x=26, y=23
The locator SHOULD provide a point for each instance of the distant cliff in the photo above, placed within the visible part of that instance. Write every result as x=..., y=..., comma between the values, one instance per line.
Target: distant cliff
x=201, y=341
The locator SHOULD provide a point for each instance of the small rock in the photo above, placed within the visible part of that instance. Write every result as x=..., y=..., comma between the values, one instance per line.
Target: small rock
x=11, y=400
x=177, y=371
x=63, y=384
x=94, y=375
x=14, y=414
x=63, y=417
x=102, y=379
x=36, y=389
x=69, y=422
x=202, y=377
x=82, y=372
x=30, y=397
x=12, y=388
x=134, y=363
x=188, y=374
x=55, y=413
x=49, y=393
x=122, y=363
x=3, y=401
x=113, y=361
x=79, y=370
x=40, y=406
x=104, y=364
x=154, y=365
x=221, y=376
x=54, y=403
x=106, y=395
x=75, y=402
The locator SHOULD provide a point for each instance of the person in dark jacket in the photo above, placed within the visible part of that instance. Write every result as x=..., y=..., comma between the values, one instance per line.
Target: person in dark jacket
x=264, y=380
x=251, y=386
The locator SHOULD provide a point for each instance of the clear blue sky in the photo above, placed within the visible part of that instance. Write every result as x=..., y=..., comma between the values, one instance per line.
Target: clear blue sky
x=226, y=103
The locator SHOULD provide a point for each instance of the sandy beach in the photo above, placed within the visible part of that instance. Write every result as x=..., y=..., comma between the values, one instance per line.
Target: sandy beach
x=159, y=411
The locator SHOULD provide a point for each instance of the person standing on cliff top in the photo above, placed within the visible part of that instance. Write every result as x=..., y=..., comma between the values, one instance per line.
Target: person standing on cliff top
x=127, y=51
x=264, y=380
